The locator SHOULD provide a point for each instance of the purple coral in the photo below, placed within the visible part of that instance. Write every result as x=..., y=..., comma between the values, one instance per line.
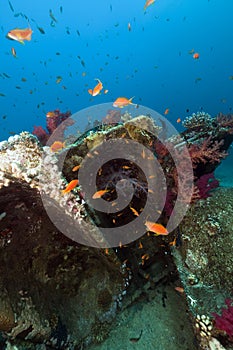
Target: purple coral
x=224, y=322
x=205, y=184
x=53, y=120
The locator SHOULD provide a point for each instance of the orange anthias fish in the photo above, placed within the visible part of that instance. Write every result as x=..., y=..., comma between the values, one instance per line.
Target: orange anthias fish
x=71, y=185
x=96, y=89
x=148, y=3
x=179, y=289
x=158, y=229
x=99, y=194
x=76, y=168
x=122, y=102
x=50, y=114
x=20, y=35
x=196, y=55
x=166, y=111
x=57, y=146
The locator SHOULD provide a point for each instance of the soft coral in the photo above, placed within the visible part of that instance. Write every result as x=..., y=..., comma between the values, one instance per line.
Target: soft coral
x=224, y=322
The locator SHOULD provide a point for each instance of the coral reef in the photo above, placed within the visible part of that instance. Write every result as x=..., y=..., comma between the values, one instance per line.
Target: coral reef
x=207, y=238
x=53, y=120
x=62, y=294
x=39, y=266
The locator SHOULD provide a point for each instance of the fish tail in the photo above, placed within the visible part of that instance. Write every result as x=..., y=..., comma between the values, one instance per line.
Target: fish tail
x=90, y=91
x=134, y=104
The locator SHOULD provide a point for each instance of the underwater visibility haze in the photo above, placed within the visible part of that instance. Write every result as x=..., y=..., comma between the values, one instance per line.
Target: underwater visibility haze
x=146, y=54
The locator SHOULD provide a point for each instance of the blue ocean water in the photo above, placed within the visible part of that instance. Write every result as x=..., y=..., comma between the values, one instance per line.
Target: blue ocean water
x=92, y=40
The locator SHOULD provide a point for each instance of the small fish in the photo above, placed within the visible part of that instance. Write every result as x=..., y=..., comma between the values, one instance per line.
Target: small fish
x=122, y=102
x=196, y=55
x=11, y=7
x=59, y=79
x=143, y=154
x=191, y=52
x=6, y=75
x=57, y=146
x=148, y=3
x=156, y=228
x=76, y=167
x=41, y=30
x=97, y=89
x=105, y=91
x=134, y=211
x=129, y=27
x=82, y=63
x=197, y=80
x=2, y=95
x=99, y=194
x=61, y=9
x=166, y=111
x=50, y=114
x=52, y=16
x=20, y=35
x=13, y=52
x=179, y=289
x=23, y=79
x=78, y=32
x=178, y=120
x=231, y=77
x=145, y=256
x=71, y=185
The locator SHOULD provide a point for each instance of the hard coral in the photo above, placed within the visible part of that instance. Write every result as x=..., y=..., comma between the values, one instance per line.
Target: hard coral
x=52, y=122
x=224, y=322
x=199, y=121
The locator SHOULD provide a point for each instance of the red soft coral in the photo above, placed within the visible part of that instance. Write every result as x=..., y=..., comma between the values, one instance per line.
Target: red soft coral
x=224, y=322
x=52, y=122
x=207, y=152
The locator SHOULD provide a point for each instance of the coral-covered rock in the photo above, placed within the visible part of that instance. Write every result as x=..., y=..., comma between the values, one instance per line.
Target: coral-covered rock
x=53, y=120
x=53, y=287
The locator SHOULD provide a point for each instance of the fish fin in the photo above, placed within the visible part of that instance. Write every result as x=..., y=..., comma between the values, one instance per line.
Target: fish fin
x=134, y=104
x=90, y=91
